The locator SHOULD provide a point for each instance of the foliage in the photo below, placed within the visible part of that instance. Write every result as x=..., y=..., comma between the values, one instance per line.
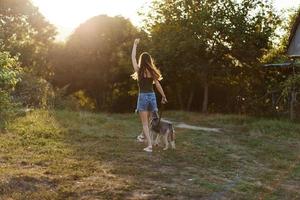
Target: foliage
x=7, y=108
x=279, y=81
x=34, y=91
x=292, y=83
x=9, y=71
x=277, y=54
x=85, y=102
x=9, y=77
x=27, y=35
x=212, y=43
x=25, y=32
x=96, y=60
x=75, y=102
x=210, y=55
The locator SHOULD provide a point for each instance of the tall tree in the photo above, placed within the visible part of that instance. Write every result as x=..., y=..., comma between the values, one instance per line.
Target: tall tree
x=24, y=31
x=202, y=43
x=96, y=60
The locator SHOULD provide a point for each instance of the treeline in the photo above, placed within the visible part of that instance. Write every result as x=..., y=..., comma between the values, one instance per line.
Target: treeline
x=25, y=42
x=210, y=53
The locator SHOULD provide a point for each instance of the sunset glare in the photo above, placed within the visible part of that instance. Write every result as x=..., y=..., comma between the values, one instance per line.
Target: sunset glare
x=66, y=15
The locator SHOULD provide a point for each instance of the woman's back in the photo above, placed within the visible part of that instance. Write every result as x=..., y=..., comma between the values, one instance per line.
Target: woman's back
x=145, y=84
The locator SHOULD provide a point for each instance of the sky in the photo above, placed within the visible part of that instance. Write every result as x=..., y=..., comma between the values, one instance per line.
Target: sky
x=66, y=15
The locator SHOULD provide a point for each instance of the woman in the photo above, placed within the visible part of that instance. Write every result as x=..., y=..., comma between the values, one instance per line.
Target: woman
x=146, y=74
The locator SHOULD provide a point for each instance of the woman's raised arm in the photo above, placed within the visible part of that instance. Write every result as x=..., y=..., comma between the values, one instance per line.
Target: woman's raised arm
x=133, y=55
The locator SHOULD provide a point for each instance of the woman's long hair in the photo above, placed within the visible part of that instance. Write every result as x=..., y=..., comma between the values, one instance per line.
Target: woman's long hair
x=146, y=63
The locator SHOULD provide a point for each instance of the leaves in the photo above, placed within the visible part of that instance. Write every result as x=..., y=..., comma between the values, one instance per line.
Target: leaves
x=9, y=71
x=214, y=42
x=25, y=32
x=9, y=76
x=96, y=59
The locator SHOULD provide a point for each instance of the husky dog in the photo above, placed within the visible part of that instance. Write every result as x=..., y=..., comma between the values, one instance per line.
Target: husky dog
x=162, y=128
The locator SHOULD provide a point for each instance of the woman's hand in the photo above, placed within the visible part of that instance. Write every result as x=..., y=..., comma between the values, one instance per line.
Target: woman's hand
x=136, y=41
x=164, y=100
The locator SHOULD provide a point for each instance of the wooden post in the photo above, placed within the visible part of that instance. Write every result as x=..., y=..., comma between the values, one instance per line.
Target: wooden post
x=205, y=95
x=293, y=95
x=292, y=109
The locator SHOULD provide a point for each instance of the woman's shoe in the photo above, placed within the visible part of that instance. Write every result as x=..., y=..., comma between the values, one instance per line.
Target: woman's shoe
x=148, y=149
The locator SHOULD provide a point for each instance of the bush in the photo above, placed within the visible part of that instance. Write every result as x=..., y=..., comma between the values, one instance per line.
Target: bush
x=288, y=86
x=76, y=101
x=9, y=76
x=34, y=91
x=7, y=107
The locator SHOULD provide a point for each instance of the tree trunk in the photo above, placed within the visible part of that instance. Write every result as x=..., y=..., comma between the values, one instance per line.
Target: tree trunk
x=293, y=98
x=191, y=97
x=205, y=95
x=98, y=102
x=179, y=97
x=292, y=105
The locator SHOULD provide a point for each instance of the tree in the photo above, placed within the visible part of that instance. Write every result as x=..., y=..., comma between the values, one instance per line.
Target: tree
x=96, y=60
x=25, y=32
x=205, y=43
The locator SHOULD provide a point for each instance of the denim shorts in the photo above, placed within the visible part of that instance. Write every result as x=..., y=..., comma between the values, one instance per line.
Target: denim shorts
x=146, y=102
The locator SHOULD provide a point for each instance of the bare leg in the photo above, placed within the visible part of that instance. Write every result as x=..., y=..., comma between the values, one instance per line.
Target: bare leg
x=149, y=121
x=142, y=134
x=145, y=123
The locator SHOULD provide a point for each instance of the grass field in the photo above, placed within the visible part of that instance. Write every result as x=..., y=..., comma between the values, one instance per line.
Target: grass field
x=79, y=155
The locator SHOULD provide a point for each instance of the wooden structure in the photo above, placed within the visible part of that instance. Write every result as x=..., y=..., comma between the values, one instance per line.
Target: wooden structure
x=293, y=51
x=294, y=40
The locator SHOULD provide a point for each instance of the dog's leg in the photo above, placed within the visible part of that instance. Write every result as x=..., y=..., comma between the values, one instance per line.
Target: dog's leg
x=166, y=141
x=156, y=140
x=173, y=144
x=172, y=139
x=160, y=138
x=151, y=134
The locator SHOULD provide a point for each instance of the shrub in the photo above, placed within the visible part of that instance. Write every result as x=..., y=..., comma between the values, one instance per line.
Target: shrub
x=34, y=91
x=9, y=76
x=76, y=101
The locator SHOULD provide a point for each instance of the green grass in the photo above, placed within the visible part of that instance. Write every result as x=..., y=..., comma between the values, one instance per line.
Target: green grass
x=80, y=155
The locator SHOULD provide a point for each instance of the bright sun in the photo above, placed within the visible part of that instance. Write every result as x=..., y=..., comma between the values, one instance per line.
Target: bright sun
x=68, y=14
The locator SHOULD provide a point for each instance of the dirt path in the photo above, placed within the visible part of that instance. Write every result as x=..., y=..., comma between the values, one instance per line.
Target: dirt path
x=197, y=128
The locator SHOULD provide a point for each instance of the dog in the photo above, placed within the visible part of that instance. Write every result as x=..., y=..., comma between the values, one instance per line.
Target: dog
x=162, y=128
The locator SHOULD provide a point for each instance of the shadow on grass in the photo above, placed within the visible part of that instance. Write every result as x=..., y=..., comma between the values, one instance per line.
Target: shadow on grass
x=108, y=142
x=78, y=155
